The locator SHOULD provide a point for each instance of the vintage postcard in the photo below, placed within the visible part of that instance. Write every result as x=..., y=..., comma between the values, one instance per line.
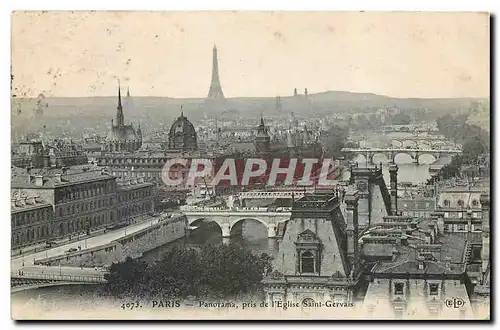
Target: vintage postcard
x=250, y=165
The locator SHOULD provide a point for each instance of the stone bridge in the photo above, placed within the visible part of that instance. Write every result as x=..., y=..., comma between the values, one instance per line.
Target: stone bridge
x=432, y=141
x=391, y=153
x=34, y=280
x=231, y=220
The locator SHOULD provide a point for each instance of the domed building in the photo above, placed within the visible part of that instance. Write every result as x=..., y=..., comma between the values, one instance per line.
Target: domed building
x=182, y=135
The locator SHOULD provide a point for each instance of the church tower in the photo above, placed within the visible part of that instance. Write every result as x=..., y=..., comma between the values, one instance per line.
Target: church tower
x=262, y=140
x=119, y=109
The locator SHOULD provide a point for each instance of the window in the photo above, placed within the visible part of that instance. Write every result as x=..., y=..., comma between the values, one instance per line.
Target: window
x=460, y=215
x=461, y=227
x=433, y=289
x=460, y=203
x=474, y=202
x=446, y=203
x=398, y=288
x=307, y=262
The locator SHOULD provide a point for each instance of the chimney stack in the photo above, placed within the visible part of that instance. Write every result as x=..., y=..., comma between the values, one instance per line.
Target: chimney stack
x=421, y=260
x=394, y=253
x=393, y=172
x=351, y=200
x=38, y=180
x=447, y=261
x=485, y=215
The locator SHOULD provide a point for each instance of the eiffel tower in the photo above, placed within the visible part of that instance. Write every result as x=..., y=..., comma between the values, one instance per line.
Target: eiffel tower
x=215, y=98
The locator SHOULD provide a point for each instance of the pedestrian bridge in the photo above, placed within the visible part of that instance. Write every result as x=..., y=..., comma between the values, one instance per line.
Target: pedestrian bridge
x=34, y=280
x=230, y=220
x=391, y=153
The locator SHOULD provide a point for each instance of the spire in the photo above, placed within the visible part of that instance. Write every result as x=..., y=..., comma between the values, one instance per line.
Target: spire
x=182, y=112
x=128, y=91
x=215, y=91
x=119, y=108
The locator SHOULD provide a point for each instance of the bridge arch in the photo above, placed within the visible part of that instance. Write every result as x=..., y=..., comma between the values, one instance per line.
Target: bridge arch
x=360, y=158
x=397, y=153
x=236, y=226
x=434, y=155
x=201, y=220
x=384, y=155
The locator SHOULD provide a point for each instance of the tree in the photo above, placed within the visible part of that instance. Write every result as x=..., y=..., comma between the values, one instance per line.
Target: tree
x=336, y=140
x=212, y=271
x=401, y=119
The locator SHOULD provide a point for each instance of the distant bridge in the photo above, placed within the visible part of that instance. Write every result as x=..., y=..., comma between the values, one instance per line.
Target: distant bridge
x=415, y=141
x=33, y=280
x=230, y=220
x=391, y=153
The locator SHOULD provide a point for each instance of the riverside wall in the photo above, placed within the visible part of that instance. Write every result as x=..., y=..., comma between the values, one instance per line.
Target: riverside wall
x=132, y=245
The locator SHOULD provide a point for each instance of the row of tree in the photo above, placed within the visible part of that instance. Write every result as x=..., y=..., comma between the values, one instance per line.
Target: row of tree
x=211, y=271
x=475, y=142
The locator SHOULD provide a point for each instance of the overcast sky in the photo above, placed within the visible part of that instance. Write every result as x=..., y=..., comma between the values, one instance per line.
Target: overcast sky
x=260, y=54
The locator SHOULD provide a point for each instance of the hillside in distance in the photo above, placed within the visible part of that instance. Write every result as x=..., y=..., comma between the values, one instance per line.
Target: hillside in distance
x=153, y=112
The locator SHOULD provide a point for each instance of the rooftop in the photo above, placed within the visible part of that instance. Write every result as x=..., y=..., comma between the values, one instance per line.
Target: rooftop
x=52, y=177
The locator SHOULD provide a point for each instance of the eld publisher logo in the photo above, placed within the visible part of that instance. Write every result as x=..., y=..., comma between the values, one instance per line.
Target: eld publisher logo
x=454, y=302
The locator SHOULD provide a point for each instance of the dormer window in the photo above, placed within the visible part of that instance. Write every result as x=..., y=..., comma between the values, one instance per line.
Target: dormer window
x=433, y=289
x=307, y=262
x=399, y=288
x=308, y=253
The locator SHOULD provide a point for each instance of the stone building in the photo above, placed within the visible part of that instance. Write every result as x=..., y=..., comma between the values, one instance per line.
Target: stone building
x=122, y=137
x=31, y=218
x=57, y=203
x=460, y=208
x=58, y=153
x=134, y=198
x=316, y=261
x=83, y=197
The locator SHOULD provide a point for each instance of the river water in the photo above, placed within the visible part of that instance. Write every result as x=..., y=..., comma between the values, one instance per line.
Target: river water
x=254, y=234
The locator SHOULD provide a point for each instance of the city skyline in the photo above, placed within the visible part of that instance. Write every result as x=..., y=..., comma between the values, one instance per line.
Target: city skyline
x=170, y=54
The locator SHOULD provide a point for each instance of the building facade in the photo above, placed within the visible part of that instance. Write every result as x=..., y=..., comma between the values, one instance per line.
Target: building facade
x=82, y=199
x=134, y=198
x=31, y=217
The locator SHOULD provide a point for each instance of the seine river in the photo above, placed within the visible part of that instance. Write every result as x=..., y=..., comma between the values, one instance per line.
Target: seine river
x=254, y=235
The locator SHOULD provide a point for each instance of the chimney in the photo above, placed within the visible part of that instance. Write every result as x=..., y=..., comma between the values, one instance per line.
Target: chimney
x=351, y=200
x=485, y=215
x=46, y=161
x=447, y=261
x=421, y=260
x=432, y=228
x=394, y=253
x=439, y=216
x=38, y=180
x=393, y=172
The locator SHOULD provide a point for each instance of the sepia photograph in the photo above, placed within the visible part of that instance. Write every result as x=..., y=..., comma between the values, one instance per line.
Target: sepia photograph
x=250, y=165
